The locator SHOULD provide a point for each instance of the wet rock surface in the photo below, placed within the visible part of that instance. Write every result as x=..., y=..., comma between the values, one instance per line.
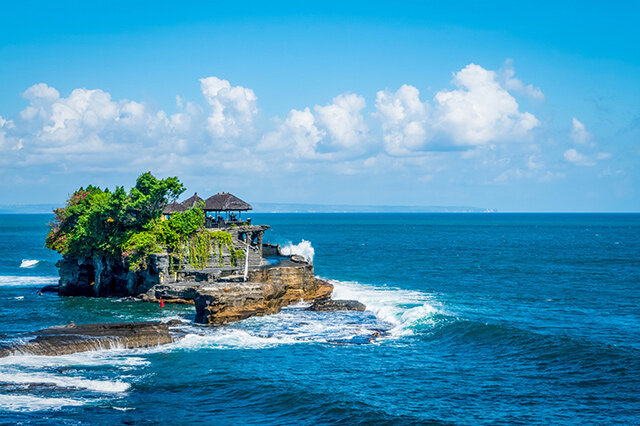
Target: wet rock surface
x=267, y=292
x=337, y=305
x=72, y=338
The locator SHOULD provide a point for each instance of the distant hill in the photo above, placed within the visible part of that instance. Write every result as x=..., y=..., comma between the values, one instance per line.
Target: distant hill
x=28, y=208
x=347, y=208
x=289, y=208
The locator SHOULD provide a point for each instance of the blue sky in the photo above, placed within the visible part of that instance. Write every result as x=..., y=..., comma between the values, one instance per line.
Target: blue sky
x=500, y=105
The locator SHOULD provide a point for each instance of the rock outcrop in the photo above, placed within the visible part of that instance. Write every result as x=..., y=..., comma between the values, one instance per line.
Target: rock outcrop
x=101, y=277
x=68, y=339
x=267, y=292
x=337, y=305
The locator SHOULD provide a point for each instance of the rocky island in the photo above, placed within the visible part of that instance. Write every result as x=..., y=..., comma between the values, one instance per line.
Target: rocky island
x=143, y=244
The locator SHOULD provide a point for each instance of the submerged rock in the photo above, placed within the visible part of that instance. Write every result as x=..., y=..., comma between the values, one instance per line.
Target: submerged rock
x=337, y=305
x=72, y=338
x=52, y=288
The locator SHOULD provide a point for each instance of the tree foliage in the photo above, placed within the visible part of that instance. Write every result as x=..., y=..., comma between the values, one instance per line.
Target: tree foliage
x=97, y=222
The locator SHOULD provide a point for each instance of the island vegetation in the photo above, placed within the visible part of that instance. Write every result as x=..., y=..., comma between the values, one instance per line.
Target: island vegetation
x=116, y=224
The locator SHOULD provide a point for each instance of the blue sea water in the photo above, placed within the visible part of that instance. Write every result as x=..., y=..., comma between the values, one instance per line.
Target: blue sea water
x=490, y=319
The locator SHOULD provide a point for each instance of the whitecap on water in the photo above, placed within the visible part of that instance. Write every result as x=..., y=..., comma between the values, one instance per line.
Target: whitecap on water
x=25, y=403
x=25, y=281
x=69, y=374
x=116, y=358
x=303, y=248
x=66, y=381
x=402, y=309
x=28, y=263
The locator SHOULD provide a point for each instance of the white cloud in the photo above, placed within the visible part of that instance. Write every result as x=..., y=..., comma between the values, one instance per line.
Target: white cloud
x=476, y=118
x=512, y=83
x=41, y=91
x=88, y=124
x=603, y=156
x=403, y=118
x=298, y=135
x=573, y=156
x=6, y=142
x=343, y=120
x=534, y=162
x=480, y=110
x=578, y=132
x=233, y=107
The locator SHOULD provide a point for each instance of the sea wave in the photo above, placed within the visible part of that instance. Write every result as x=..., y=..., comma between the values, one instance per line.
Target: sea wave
x=303, y=248
x=26, y=281
x=404, y=310
x=68, y=374
x=120, y=358
x=26, y=403
x=29, y=263
x=23, y=378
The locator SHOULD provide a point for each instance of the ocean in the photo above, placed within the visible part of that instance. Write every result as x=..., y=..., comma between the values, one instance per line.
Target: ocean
x=488, y=319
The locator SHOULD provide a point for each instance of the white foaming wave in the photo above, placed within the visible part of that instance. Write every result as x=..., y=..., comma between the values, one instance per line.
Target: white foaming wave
x=117, y=358
x=22, y=403
x=106, y=386
x=29, y=263
x=229, y=339
x=24, y=281
x=400, y=308
x=303, y=248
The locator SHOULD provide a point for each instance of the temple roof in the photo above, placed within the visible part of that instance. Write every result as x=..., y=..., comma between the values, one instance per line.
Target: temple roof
x=225, y=202
x=173, y=208
x=191, y=202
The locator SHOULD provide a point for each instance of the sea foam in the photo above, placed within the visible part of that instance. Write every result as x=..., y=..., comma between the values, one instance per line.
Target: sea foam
x=25, y=403
x=303, y=248
x=25, y=281
x=402, y=309
x=106, y=386
x=29, y=263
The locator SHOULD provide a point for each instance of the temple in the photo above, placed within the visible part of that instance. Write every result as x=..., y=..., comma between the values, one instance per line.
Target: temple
x=223, y=211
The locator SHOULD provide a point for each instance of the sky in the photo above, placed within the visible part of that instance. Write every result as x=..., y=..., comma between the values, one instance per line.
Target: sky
x=512, y=106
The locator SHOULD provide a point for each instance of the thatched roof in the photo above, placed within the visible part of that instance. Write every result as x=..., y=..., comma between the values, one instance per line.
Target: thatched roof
x=173, y=208
x=191, y=202
x=222, y=202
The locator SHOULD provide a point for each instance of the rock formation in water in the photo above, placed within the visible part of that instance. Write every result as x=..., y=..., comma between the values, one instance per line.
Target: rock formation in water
x=68, y=339
x=337, y=305
x=267, y=292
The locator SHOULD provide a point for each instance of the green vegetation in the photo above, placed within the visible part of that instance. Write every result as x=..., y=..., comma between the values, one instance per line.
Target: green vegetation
x=118, y=224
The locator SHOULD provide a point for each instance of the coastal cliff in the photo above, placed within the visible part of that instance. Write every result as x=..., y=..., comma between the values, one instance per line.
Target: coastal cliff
x=266, y=292
x=104, y=277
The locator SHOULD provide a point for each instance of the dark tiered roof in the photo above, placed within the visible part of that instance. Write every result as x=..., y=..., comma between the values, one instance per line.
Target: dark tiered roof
x=173, y=208
x=223, y=202
x=191, y=202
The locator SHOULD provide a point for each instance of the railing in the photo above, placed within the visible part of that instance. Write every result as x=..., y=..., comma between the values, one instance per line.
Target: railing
x=224, y=223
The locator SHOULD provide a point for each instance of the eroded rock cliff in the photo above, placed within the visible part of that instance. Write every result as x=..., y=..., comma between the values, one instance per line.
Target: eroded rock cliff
x=267, y=291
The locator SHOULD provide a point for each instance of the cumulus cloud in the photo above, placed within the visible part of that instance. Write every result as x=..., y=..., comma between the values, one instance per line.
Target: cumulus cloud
x=297, y=135
x=233, y=108
x=89, y=127
x=573, y=156
x=5, y=141
x=578, y=132
x=343, y=120
x=480, y=110
x=403, y=118
x=512, y=83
